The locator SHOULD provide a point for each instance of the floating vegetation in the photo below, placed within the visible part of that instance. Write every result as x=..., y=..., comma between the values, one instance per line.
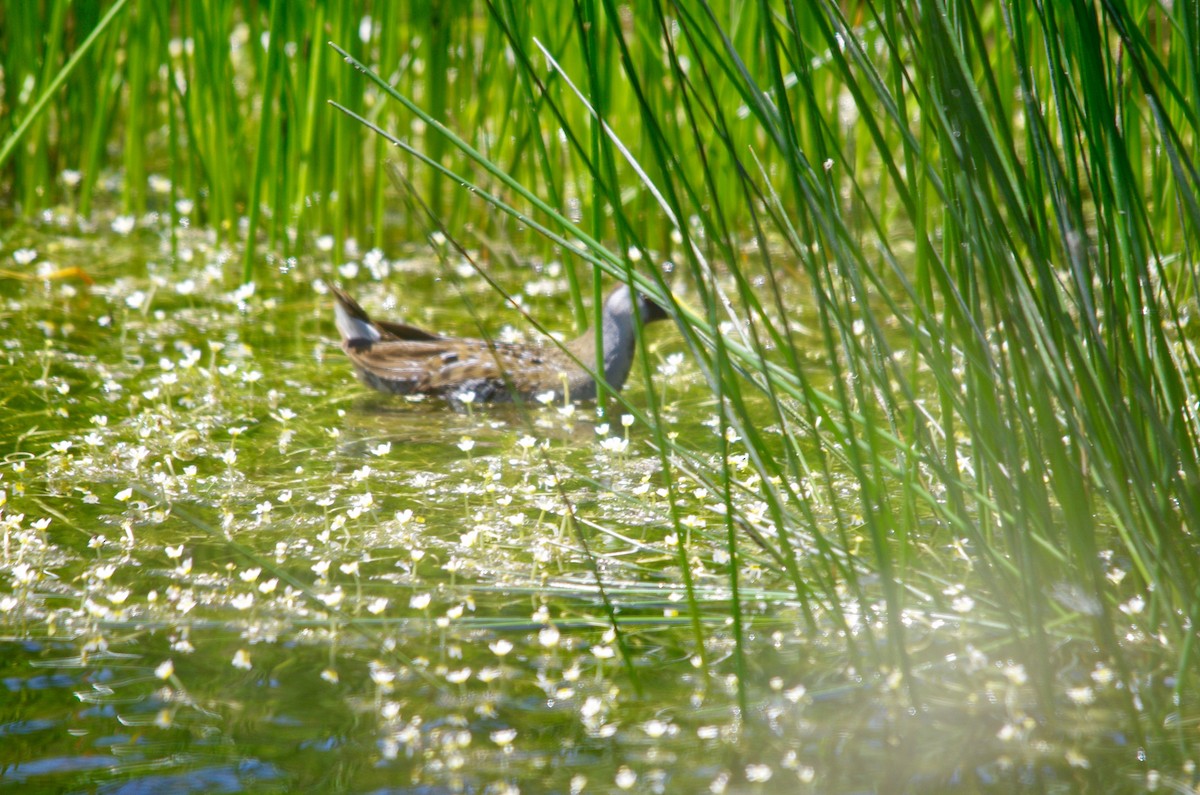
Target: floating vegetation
x=212, y=536
x=903, y=498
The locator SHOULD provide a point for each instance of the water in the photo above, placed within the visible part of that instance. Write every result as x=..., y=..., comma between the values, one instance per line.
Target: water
x=228, y=567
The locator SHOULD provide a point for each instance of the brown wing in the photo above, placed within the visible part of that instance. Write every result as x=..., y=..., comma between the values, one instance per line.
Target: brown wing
x=446, y=364
x=403, y=331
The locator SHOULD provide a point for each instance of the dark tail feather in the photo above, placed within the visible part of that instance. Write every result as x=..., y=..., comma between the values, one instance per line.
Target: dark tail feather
x=352, y=321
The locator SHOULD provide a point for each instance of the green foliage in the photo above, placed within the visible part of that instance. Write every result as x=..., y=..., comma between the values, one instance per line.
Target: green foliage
x=989, y=213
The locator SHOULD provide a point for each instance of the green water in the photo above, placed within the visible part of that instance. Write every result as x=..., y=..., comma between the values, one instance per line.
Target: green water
x=227, y=567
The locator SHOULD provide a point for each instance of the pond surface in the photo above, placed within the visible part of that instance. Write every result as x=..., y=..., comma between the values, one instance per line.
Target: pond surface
x=228, y=567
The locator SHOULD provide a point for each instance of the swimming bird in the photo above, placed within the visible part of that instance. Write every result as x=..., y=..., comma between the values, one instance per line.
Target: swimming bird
x=404, y=360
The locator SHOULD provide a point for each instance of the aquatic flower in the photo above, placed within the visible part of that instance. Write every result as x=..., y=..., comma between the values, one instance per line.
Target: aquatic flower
x=165, y=670
x=963, y=604
x=503, y=737
x=242, y=601
x=376, y=263
x=241, y=660
x=758, y=774
x=123, y=224
x=625, y=778
x=23, y=574
x=24, y=256
x=615, y=444
x=377, y=606
x=1082, y=695
x=332, y=598
x=1134, y=606
x=172, y=552
x=671, y=365
x=459, y=676
x=1015, y=673
x=500, y=647
x=420, y=601
x=549, y=636
x=381, y=675
x=467, y=444
x=381, y=449
x=330, y=676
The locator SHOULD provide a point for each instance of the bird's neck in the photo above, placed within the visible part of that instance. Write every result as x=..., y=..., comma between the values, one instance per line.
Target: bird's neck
x=618, y=341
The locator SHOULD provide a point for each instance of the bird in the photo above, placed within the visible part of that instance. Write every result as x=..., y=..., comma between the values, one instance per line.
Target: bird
x=400, y=359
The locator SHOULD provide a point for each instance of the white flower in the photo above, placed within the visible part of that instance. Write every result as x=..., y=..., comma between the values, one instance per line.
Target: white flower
x=615, y=444
x=458, y=677
x=503, y=737
x=549, y=636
